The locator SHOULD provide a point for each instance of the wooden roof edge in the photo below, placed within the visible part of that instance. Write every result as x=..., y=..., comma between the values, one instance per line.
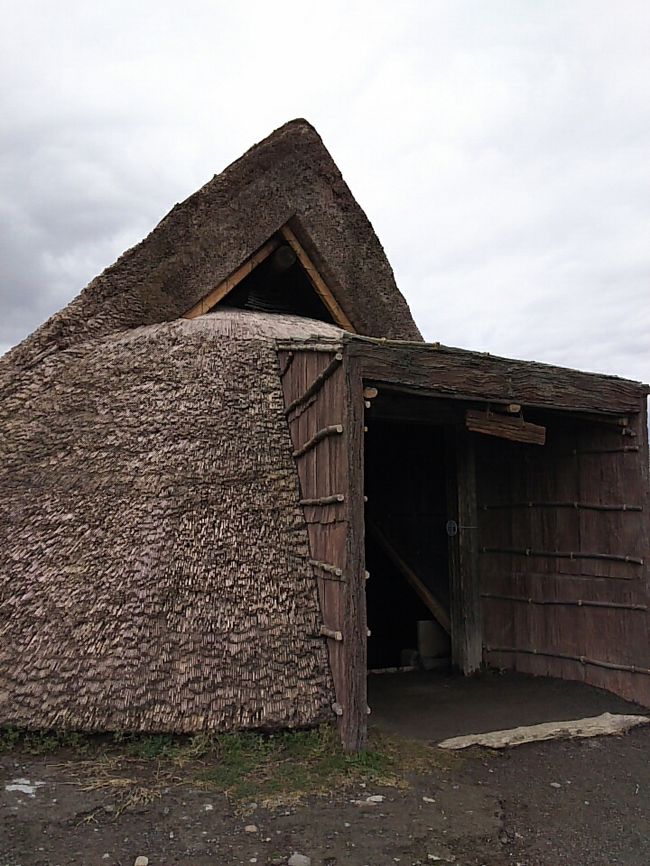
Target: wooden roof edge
x=644, y=389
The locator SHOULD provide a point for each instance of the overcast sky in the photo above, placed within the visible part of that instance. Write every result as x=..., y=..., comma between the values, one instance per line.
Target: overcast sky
x=501, y=150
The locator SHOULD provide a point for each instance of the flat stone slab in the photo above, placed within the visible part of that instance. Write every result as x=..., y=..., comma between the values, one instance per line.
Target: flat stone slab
x=595, y=726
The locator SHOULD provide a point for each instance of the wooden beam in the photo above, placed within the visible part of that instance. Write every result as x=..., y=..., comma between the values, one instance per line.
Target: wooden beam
x=504, y=427
x=354, y=724
x=226, y=286
x=464, y=581
x=476, y=377
x=320, y=287
x=425, y=594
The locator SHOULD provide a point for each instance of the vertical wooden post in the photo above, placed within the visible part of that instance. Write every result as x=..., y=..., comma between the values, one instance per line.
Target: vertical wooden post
x=464, y=583
x=353, y=724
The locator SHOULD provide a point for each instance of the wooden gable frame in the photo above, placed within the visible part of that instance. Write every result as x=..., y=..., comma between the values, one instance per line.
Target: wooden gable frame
x=285, y=235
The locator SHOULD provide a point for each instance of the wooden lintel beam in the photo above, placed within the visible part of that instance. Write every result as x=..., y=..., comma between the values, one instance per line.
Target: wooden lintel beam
x=226, y=286
x=425, y=594
x=460, y=375
x=504, y=427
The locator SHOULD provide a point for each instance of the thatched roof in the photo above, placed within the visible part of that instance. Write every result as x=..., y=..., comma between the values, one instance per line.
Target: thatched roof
x=154, y=561
x=288, y=176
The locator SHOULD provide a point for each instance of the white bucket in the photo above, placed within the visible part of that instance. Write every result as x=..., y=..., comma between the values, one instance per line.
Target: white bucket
x=433, y=642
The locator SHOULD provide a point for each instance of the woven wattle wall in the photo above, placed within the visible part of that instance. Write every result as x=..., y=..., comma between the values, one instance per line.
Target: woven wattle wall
x=154, y=568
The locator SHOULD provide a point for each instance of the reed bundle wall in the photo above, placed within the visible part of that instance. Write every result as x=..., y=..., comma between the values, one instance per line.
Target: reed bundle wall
x=154, y=558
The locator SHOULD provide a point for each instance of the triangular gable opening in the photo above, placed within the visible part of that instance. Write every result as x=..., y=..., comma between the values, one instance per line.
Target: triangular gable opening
x=279, y=277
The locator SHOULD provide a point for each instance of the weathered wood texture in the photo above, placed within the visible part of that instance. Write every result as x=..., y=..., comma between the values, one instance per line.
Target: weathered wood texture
x=581, y=616
x=461, y=374
x=464, y=581
x=320, y=394
x=504, y=427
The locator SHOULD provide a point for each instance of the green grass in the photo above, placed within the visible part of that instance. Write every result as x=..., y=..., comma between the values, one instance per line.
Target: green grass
x=288, y=764
x=42, y=742
x=268, y=768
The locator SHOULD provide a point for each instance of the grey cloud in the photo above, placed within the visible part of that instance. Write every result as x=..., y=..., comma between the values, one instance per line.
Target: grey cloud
x=500, y=150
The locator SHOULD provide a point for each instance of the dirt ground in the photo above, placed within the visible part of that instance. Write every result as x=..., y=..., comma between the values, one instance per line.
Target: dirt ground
x=577, y=802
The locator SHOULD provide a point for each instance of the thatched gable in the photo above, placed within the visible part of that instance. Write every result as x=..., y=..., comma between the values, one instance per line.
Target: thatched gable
x=154, y=560
x=290, y=176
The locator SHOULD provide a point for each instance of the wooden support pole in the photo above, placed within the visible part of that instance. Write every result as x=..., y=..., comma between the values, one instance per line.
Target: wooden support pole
x=464, y=581
x=354, y=724
x=424, y=593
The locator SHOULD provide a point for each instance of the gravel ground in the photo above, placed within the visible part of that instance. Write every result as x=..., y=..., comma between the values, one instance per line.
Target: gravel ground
x=560, y=803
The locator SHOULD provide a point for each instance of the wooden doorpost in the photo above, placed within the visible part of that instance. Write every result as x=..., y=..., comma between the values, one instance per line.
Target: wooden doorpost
x=353, y=724
x=464, y=583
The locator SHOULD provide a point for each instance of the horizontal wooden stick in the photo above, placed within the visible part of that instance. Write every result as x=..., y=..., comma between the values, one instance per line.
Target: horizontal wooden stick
x=561, y=554
x=634, y=669
x=316, y=385
x=331, y=633
x=579, y=603
x=576, y=575
x=332, y=430
x=587, y=506
x=618, y=450
x=325, y=566
x=328, y=572
x=296, y=346
x=334, y=499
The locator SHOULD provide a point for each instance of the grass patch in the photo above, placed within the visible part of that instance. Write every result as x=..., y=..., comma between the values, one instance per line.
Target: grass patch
x=270, y=769
x=42, y=742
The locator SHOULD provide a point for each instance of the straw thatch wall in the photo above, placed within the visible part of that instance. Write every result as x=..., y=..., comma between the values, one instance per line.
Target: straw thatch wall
x=154, y=569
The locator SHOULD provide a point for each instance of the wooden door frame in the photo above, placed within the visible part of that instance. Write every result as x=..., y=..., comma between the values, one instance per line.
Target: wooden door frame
x=464, y=579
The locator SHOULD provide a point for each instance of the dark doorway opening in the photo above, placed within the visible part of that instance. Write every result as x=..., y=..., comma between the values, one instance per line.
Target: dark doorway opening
x=407, y=595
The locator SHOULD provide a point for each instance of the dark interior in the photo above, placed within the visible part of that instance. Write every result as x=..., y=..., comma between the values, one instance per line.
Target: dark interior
x=279, y=284
x=405, y=482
